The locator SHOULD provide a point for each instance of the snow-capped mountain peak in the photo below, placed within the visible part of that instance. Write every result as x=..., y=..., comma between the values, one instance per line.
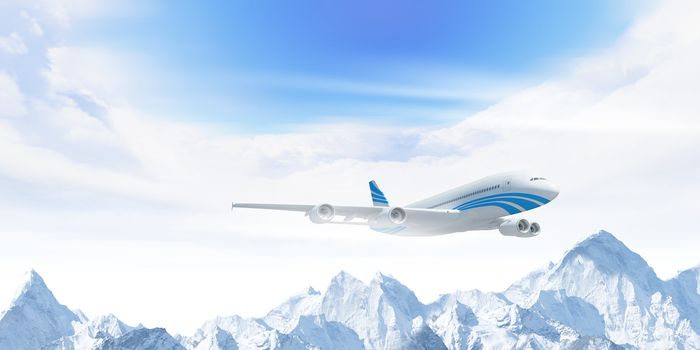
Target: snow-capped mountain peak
x=286, y=316
x=610, y=255
x=34, y=290
x=142, y=339
x=34, y=305
x=311, y=291
x=398, y=295
x=36, y=320
x=617, y=289
x=344, y=280
x=598, y=296
x=107, y=325
x=599, y=261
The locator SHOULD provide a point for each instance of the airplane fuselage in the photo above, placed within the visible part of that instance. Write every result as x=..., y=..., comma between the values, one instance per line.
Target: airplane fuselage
x=478, y=205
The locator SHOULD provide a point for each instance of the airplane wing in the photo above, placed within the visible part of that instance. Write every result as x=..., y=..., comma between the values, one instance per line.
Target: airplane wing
x=287, y=207
x=349, y=212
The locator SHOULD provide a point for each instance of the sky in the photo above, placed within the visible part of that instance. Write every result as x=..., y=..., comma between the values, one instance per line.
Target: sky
x=127, y=129
x=358, y=60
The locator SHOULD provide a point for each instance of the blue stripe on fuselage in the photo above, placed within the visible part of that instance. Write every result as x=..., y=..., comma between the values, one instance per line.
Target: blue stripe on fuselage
x=509, y=208
x=513, y=194
x=524, y=200
x=524, y=203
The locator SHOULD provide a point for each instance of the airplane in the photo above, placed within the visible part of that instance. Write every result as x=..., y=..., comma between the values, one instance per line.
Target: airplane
x=485, y=204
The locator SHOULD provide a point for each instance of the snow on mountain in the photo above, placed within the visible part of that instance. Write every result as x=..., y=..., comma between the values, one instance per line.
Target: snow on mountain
x=36, y=320
x=452, y=321
x=473, y=319
x=104, y=326
x=685, y=289
x=35, y=317
x=142, y=339
x=489, y=307
x=285, y=316
x=600, y=295
x=219, y=340
x=90, y=334
x=350, y=315
x=602, y=274
x=317, y=332
x=381, y=313
x=599, y=265
x=570, y=311
x=248, y=333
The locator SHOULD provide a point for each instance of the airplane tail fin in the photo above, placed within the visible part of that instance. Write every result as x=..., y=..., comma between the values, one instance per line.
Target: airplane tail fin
x=378, y=198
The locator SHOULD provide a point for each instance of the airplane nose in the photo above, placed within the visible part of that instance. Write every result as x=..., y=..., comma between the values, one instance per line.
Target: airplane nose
x=551, y=190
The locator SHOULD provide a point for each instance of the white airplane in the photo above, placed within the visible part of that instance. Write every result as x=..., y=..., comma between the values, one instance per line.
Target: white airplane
x=479, y=205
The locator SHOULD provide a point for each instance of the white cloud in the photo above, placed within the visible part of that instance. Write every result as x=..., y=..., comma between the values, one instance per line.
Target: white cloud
x=13, y=44
x=127, y=190
x=11, y=99
x=33, y=24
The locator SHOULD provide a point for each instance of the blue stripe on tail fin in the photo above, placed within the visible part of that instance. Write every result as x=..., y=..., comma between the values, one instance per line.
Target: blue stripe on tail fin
x=378, y=198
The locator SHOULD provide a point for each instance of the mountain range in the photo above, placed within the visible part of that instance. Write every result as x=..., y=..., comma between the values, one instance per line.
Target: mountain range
x=600, y=295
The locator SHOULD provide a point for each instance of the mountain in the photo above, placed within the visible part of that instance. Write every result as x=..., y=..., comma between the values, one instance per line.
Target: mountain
x=601, y=275
x=285, y=316
x=35, y=317
x=142, y=339
x=91, y=333
x=36, y=320
x=382, y=313
x=685, y=288
x=600, y=295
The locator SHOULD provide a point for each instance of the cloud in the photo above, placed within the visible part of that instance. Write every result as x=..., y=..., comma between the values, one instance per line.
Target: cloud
x=33, y=24
x=11, y=99
x=13, y=44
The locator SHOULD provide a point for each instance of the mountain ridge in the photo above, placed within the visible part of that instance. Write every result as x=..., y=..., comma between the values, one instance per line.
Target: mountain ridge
x=600, y=294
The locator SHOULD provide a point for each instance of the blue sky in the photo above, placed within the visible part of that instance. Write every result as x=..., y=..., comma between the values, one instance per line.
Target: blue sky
x=264, y=66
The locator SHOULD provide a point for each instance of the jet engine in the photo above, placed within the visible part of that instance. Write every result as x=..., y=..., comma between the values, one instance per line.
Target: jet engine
x=322, y=213
x=519, y=228
x=390, y=217
x=397, y=215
